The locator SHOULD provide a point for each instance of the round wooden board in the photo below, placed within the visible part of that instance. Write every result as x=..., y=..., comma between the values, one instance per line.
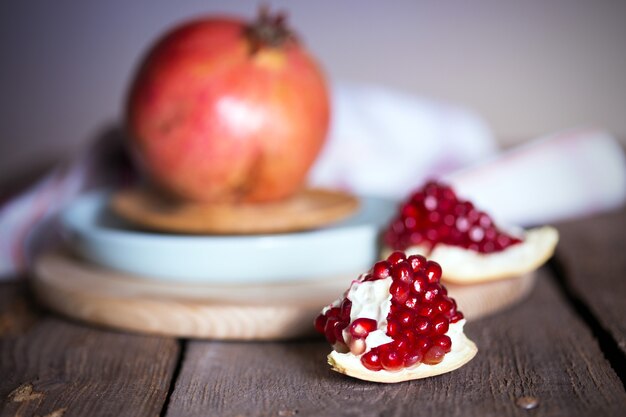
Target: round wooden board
x=229, y=312
x=308, y=209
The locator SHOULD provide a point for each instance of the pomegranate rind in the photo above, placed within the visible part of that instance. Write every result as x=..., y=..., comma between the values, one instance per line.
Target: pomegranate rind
x=463, y=351
x=464, y=266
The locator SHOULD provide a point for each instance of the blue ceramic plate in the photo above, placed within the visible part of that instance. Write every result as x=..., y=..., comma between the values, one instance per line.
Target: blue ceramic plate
x=346, y=248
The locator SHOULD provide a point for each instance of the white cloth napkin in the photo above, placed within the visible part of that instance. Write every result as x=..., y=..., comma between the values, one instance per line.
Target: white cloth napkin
x=382, y=142
x=562, y=176
x=385, y=142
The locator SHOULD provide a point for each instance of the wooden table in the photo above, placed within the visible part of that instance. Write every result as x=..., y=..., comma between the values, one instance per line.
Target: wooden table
x=562, y=351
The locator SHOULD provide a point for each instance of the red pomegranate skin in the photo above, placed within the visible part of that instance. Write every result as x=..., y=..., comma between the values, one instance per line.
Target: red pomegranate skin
x=214, y=118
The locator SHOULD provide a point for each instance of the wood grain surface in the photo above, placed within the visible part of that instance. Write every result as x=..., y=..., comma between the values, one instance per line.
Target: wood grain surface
x=308, y=209
x=275, y=311
x=547, y=352
x=53, y=367
x=593, y=258
x=538, y=349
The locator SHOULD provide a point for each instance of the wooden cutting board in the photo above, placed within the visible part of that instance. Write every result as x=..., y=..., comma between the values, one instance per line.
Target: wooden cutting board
x=103, y=297
x=308, y=209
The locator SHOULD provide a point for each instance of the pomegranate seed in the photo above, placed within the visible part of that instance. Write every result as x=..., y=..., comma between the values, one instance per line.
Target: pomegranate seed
x=334, y=312
x=371, y=360
x=417, y=197
x=476, y=234
x=504, y=241
x=416, y=238
x=361, y=327
x=396, y=257
x=435, y=218
x=431, y=188
x=419, y=285
x=422, y=343
x=484, y=221
x=487, y=247
x=463, y=208
x=402, y=345
x=329, y=330
x=433, y=271
x=405, y=318
x=411, y=302
x=462, y=224
x=431, y=293
x=491, y=233
x=393, y=328
x=456, y=317
x=473, y=215
x=434, y=355
x=430, y=203
x=394, y=310
x=320, y=323
x=399, y=291
x=339, y=326
x=417, y=262
x=422, y=325
x=412, y=358
x=447, y=193
x=357, y=346
x=410, y=223
x=344, y=310
x=390, y=358
x=444, y=305
x=381, y=270
x=444, y=232
x=440, y=324
x=443, y=341
x=409, y=211
x=402, y=272
x=409, y=334
x=425, y=311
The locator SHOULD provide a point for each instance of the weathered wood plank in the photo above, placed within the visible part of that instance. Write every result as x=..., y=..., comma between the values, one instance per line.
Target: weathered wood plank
x=53, y=367
x=592, y=255
x=539, y=349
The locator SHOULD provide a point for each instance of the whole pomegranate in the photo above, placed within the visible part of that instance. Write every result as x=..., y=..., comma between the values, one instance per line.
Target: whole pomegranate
x=225, y=111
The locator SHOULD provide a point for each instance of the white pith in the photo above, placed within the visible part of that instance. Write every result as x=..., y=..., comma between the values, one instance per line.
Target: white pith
x=464, y=266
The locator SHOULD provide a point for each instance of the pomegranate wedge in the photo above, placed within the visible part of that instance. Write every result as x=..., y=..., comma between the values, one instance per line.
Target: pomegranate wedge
x=396, y=323
x=467, y=243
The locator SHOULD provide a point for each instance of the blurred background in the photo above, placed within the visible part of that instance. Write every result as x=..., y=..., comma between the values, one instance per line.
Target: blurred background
x=528, y=68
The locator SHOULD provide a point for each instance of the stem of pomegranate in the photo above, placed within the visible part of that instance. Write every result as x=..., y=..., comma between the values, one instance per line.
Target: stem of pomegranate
x=268, y=30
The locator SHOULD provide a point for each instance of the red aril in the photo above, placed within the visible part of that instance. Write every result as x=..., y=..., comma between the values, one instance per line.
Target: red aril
x=434, y=355
x=371, y=360
x=381, y=270
x=361, y=327
x=443, y=341
x=391, y=358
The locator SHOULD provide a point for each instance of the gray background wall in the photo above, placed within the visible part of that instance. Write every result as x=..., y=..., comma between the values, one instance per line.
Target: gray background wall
x=528, y=67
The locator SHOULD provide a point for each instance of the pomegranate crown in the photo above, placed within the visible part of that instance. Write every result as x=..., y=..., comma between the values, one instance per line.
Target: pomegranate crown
x=268, y=30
